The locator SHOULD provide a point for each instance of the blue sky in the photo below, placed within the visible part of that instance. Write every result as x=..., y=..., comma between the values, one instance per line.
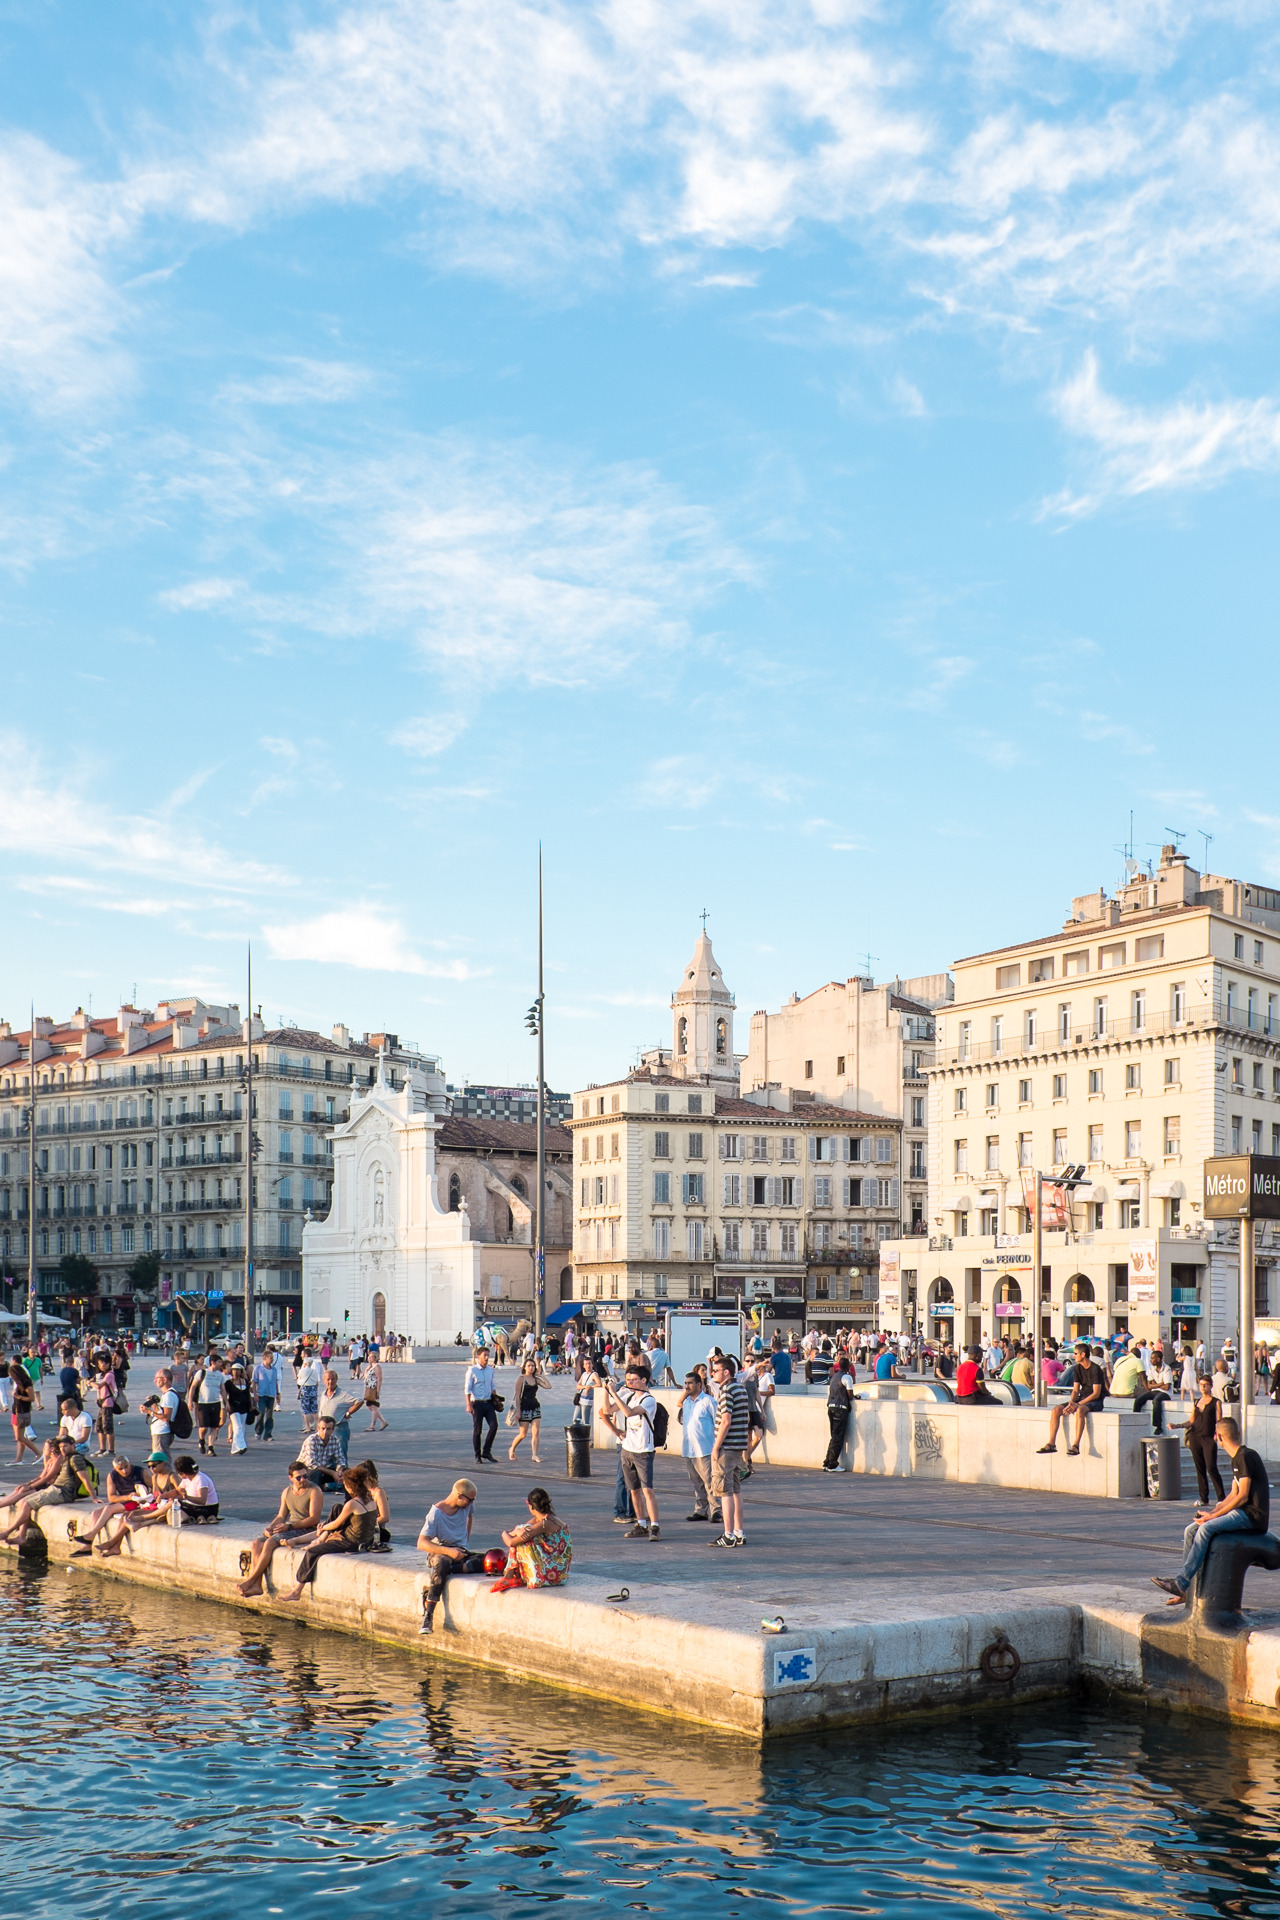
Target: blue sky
x=800, y=459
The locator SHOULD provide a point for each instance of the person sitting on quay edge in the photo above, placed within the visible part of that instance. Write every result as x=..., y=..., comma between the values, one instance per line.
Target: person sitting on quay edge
x=71, y=1479
x=539, y=1553
x=163, y=1494
x=971, y=1389
x=1087, y=1395
x=295, y=1519
x=321, y=1454
x=353, y=1529
x=1246, y=1509
x=197, y=1495
x=125, y=1491
x=446, y=1540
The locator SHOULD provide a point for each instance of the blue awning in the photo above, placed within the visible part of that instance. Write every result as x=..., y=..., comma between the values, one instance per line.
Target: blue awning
x=569, y=1311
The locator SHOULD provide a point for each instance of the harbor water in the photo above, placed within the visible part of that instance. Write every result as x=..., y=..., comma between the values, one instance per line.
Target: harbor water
x=170, y=1758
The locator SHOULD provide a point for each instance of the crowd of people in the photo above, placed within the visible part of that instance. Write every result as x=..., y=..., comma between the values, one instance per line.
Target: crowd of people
x=221, y=1396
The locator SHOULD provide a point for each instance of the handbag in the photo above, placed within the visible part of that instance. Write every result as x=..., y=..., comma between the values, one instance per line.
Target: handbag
x=122, y=1400
x=498, y=1401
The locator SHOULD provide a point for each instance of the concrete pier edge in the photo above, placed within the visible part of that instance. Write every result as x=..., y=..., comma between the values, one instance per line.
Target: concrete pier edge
x=873, y=1653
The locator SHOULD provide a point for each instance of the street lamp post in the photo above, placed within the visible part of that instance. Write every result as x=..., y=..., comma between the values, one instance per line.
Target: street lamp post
x=535, y=1022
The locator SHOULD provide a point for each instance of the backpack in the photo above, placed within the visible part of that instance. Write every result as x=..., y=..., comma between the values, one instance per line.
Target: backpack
x=661, y=1423
x=181, y=1422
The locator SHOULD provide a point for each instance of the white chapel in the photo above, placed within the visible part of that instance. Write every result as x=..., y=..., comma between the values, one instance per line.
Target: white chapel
x=389, y=1257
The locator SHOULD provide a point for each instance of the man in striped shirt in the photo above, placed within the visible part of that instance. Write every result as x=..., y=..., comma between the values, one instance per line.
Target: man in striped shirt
x=733, y=1434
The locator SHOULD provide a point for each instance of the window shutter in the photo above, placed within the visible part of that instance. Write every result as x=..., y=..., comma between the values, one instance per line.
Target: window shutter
x=870, y=1193
x=893, y=1194
x=813, y=1146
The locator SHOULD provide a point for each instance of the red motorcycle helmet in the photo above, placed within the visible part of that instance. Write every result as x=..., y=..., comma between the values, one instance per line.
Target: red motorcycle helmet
x=495, y=1560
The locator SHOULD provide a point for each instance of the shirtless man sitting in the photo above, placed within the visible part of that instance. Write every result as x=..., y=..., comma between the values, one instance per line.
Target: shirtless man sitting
x=295, y=1520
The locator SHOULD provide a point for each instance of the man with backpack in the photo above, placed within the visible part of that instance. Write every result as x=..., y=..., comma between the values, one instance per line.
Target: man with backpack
x=839, y=1408
x=643, y=1427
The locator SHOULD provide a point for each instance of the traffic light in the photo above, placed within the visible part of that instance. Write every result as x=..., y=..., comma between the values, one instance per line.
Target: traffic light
x=346, y=1313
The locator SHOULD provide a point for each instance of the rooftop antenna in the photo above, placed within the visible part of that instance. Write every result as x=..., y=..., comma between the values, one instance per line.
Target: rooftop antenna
x=1206, y=837
x=867, y=959
x=1178, y=838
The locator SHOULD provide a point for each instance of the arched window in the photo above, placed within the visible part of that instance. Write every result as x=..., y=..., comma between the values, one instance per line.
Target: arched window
x=1080, y=1290
x=519, y=1186
x=682, y=1035
x=379, y=1305
x=455, y=1193
x=722, y=1036
x=566, y=1283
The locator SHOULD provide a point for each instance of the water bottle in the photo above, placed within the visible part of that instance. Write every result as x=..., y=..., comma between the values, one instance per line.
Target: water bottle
x=176, y=1516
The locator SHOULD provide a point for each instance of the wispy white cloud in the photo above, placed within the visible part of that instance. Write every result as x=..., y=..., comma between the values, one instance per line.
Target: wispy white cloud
x=1138, y=450
x=361, y=936
x=495, y=563
x=54, y=817
x=1141, y=34
x=198, y=595
x=298, y=382
x=59, y=308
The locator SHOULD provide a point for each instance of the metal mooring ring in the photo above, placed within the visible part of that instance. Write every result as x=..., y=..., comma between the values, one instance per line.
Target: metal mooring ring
x=1000, y=1661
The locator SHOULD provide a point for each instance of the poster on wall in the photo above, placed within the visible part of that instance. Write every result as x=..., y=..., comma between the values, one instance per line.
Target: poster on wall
x=890, y=1284
x=1144, y=1272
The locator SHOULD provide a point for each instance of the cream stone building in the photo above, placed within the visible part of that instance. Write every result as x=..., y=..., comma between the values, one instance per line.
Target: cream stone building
x=1137, y=1041
x=391, y=1257
x=687, y=1190
x=854, y=1044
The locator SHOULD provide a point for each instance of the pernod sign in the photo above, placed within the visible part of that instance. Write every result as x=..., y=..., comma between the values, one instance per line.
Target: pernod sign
x=1242, y=1186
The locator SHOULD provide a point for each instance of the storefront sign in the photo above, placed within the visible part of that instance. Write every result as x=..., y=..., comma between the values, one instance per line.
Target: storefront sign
x=1005, y=1259
x=1242, y=1186
x=942, y=1309
x=1008, y=1309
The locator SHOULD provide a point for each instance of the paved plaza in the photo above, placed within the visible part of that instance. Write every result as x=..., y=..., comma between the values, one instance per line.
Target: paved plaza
x=802, y=1527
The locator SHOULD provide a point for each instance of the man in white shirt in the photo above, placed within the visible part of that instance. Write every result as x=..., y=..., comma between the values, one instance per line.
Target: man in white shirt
x=478, y=1392
x=75, y=1423
x=635, y=1424
x=696, y=1412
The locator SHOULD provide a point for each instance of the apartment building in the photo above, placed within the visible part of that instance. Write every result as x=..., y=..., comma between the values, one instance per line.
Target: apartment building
x=869, y=1048
x=1138, y=1041
x=140, y=1134
x=685, y=1189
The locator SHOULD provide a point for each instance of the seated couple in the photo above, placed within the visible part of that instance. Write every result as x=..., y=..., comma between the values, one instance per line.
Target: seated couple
x=538, y=1552
x=358, y=1523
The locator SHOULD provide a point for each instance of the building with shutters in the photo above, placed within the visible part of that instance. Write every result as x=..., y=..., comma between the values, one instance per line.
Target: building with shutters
x=140, y=1136
x=1138, y=1041
x=686, y=1189
x=869, y=1048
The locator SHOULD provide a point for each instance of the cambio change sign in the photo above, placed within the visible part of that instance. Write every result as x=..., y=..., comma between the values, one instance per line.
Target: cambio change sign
x=1242, y=1186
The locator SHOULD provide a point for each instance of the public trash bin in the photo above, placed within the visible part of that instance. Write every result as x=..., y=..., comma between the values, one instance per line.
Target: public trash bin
x=577, y=1447
x=1163, y=1467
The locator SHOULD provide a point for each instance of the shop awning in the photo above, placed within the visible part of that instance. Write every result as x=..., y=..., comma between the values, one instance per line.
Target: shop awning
x=569, y=1310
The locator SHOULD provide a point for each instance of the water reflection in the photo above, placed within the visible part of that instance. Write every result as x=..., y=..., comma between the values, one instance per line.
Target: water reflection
x=234, y=1765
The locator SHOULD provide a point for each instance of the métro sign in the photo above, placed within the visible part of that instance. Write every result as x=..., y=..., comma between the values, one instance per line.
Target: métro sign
x=1242, y=1186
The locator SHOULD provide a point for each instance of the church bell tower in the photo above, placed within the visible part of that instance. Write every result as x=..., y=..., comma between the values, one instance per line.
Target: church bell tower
x=702, y=1021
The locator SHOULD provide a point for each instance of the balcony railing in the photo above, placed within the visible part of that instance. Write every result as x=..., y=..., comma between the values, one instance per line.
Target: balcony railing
x=1087, y=1033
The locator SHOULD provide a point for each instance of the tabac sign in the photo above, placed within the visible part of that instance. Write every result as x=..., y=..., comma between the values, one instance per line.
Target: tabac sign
x=1242, y=1186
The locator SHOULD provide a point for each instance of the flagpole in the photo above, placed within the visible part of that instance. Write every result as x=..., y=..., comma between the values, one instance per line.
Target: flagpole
x=248, y=1158
x=31, y=1187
